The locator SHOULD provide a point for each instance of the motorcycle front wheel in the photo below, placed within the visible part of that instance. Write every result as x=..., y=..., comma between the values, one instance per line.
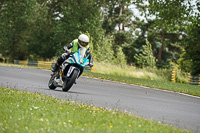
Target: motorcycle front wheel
x=68, y=83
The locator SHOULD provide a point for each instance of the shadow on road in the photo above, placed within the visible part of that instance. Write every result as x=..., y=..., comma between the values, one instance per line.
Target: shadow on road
x=71, y=92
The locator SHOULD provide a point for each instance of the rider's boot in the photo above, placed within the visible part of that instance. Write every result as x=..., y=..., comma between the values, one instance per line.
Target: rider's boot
x=55, y=68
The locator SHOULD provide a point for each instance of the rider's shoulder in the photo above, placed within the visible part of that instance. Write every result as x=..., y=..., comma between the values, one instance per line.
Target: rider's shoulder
x=75, y=40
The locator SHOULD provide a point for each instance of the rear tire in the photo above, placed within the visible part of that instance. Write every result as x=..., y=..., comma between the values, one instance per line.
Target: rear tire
x=50, y=84
x=68, y=84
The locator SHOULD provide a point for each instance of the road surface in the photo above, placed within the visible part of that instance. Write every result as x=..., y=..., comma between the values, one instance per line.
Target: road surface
x=178, y=110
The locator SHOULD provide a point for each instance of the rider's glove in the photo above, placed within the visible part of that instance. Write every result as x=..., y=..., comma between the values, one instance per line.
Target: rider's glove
x=91, y=64
x=65, y=49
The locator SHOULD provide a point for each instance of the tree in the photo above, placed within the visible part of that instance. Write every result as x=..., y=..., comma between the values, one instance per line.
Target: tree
x=26, y=30
x=38, y=29
x=167, y=19
x=145, y=58
x=117, y=17
x=191, y=58
x=13, y=25
x=75, y=17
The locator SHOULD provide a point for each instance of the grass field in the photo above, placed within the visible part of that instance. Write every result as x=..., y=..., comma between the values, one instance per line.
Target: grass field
x=21, y=111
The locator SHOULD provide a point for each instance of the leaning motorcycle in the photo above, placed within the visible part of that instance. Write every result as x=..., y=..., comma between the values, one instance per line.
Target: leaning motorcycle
x=69, y=72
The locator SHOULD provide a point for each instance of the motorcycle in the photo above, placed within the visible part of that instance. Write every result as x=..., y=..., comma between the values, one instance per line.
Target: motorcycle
x=70, y=70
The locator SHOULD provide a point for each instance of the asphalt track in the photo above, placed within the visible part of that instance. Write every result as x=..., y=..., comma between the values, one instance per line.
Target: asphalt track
x=179, y=110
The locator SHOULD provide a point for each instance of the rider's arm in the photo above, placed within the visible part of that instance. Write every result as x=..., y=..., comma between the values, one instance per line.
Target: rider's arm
x=67, y=51
x=70, y=45
x=67, y=48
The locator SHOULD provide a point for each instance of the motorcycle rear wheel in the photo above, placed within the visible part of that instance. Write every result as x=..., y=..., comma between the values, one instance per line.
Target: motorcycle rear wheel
x=68, y=84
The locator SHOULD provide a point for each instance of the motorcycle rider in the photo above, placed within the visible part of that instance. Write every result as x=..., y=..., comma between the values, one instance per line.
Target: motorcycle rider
x=78, y=44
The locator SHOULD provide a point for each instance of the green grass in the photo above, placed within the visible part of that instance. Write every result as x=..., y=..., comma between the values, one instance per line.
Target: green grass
x=21, y=111
x=143, y=73
x=132, y=71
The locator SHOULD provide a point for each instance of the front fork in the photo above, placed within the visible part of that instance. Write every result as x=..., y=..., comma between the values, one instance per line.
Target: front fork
x=70, y=71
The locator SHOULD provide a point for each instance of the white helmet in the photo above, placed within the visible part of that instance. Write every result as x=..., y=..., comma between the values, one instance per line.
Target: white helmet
x=83, y=40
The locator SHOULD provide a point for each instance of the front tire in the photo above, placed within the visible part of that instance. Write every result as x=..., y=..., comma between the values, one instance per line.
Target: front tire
x=68, y=84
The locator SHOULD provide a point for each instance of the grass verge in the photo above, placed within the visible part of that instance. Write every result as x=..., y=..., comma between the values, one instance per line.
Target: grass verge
x=132, y=71
x=21, y=111
x=143, y=73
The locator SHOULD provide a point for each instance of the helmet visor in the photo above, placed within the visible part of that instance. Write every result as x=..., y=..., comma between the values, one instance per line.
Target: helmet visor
x=84, y=44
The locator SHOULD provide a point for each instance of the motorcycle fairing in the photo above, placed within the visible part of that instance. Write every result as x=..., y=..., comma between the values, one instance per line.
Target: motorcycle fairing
x=75, y=62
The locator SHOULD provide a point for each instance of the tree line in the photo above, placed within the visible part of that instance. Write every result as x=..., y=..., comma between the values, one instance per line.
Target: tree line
x=168, y=32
